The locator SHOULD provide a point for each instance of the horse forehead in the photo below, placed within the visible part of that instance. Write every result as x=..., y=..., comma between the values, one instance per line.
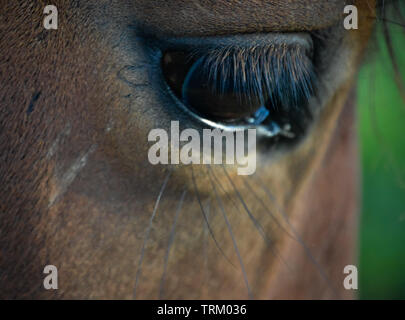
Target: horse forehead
x=202, y=17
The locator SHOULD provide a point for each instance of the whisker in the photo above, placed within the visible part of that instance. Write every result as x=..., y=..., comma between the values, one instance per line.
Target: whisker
x=162, y=189
x=205, y=217
x=171, y=239
x=255, y=222
x=211, y=172
x=251, y=190
x=221, y=206
x=205, y=234
x=300, y=240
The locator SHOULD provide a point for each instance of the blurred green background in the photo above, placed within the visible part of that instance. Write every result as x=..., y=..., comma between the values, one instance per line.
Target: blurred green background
x=381, y=116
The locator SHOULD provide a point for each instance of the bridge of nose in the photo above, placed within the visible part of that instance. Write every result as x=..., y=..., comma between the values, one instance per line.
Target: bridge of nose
x=214, y=17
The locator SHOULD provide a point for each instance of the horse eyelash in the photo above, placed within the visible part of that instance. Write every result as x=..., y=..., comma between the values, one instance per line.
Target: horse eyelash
x=282, y=74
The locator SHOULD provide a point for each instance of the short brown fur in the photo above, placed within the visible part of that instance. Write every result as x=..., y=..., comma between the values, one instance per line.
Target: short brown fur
x=77, y=189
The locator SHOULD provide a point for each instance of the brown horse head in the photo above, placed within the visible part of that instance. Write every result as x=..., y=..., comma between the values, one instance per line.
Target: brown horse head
x=78, y=190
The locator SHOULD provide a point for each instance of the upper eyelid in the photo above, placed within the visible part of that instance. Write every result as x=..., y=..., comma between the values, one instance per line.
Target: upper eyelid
x=226, y=17
x=237, y=41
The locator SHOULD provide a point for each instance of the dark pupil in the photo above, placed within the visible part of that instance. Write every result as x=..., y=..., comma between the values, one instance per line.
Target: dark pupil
x=199, y=91
x=222, y=101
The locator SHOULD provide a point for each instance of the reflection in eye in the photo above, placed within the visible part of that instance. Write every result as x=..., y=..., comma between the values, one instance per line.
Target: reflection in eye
x=240, y=85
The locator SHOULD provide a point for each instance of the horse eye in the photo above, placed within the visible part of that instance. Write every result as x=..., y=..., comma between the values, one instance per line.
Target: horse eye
x=208, y=96
x=265, y=86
